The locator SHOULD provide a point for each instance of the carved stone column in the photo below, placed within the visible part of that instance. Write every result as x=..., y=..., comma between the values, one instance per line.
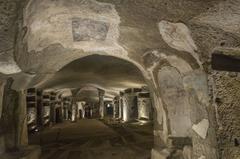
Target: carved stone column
x=9, y=116
x=101, y=103
x=121, y=105
x=74, y=110
x=116, y=111
x=144, y=106
x=130, y=109
x=22, y=132
x=13, y=118
x=2, y=141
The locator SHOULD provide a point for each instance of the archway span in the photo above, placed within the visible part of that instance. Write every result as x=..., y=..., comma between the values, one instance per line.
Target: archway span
x=96, y=68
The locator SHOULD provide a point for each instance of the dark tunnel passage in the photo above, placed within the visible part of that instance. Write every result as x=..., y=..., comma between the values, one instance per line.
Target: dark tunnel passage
x=94, y=107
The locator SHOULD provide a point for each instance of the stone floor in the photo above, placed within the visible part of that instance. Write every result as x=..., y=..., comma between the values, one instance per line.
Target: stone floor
x=92, y=139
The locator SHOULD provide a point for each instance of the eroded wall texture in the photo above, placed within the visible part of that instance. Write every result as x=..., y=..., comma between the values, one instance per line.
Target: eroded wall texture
x=227, y=100
x=8, y=24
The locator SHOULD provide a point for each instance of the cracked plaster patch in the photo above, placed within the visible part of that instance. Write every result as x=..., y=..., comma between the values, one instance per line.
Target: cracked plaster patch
x=201, y=128
x=178, y=36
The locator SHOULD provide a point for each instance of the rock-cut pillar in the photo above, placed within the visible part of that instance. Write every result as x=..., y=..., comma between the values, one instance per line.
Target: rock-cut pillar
x=130, y=109
x=144, y=106
x=2, y=142
x=101, y=103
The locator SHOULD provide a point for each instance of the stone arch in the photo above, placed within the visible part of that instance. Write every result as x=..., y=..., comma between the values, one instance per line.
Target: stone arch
x=156, y=102
x=184, y=80
x=144, y=72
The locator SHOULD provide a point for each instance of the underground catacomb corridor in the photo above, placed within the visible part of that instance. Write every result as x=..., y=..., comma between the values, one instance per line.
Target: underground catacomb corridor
x=119, y=79
x=95, y=112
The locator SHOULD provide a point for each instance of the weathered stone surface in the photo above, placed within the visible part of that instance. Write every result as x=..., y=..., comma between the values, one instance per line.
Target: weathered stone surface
x=164, y=154
x=7, y=64
x=198, y=110
x=83, y=24
x=178, y=36
x=144, y=108
x=204, y=146
x=187, y=152
x=176, y=100
x=179, y=142
x=22, y=120
x=202, y=157
x=130, y=107
x=227, y=101
x=89, y=30
x=224, y=15
x=8, y=14
x=2, y=140
x=101, y=94
x=1, y=97
x=9, y=116
x=22, y=81
x=197, y=81
x=201, y=128
x=180, y=64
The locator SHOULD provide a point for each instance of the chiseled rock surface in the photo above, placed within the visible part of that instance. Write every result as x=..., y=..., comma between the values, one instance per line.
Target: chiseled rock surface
x=202, y=157
x=86, y=25
x=177, y=36
x=175, y=98
x=8, y=10
x=160, y=155
x=224, y=15
x=8, y=16
x=227, y=100
x=197, y=81
x=201, y=128
x=8, y=65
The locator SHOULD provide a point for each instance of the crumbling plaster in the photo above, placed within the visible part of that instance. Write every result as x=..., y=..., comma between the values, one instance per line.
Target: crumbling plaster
x=226, y=98
x=8, y=17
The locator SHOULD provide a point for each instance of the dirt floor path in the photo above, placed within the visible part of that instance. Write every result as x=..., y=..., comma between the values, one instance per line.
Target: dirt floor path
x=92, y=139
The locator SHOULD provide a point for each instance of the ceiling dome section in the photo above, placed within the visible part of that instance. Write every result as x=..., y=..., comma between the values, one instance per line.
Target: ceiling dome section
x=104, y=72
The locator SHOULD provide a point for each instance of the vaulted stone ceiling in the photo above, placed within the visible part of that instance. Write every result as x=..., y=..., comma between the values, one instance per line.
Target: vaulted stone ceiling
x=104, y=72
x=52, y=34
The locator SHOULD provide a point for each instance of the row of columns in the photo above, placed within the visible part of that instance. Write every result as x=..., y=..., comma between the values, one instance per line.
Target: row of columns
x=132, y=104
x=136, y=105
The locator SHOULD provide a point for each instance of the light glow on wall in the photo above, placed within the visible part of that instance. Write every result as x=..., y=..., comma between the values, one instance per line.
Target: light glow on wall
x=124, y=109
